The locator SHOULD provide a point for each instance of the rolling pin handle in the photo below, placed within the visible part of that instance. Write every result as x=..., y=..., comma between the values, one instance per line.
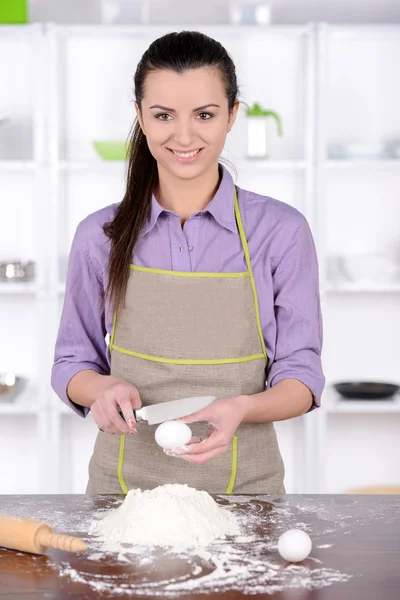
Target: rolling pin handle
x=47, y=539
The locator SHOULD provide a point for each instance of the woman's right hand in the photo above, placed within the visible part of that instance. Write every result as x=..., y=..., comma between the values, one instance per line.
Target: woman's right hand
x=118, y=395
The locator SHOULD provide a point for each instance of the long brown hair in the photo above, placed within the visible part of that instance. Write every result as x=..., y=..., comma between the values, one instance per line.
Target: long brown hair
x=176, y=52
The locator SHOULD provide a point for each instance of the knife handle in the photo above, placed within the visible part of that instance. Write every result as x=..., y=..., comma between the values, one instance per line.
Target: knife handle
x=138, y=415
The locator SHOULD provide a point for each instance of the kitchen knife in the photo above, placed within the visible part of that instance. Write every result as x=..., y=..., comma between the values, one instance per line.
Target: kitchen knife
x=169, y=411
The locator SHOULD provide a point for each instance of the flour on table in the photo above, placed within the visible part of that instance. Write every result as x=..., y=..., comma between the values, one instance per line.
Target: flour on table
x=170, y=516
x=247, y=563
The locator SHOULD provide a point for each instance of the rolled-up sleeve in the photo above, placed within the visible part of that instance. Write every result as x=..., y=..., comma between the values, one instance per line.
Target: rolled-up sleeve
x=80, y=343
x=298, y=315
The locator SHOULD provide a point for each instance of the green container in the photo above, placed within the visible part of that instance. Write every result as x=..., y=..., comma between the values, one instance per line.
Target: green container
x=257, y=111
x=111, y=149
x=13, y=12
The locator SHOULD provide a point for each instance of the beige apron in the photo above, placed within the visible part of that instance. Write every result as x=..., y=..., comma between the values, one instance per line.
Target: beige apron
x=181, y=335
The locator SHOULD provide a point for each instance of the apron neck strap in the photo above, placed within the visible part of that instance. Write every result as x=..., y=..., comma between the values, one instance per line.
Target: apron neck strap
x=250, y=270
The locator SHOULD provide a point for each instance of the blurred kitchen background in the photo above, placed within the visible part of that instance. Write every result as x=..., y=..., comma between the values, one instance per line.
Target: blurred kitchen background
x=319, y=128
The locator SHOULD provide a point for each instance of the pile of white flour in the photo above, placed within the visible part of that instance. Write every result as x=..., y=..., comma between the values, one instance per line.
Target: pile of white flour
x=171, y=516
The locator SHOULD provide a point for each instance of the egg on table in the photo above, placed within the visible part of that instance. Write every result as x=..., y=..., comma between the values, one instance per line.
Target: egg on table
x=172, y=434
x=294, y=545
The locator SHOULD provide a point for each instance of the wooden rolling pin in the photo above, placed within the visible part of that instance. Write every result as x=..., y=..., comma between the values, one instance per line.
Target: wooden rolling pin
x=35, y=537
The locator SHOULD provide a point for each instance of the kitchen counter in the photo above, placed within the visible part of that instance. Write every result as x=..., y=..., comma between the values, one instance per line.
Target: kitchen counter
x=356, y=553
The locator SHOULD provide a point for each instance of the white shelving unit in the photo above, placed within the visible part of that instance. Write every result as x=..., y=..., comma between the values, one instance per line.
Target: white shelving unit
x=83, y=76
x=24, y=207
x=356, y=209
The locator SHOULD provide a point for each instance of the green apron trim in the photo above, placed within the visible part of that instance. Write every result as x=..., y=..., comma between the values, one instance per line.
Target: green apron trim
x=248, y=262
x=188, y=273
x=120, y=463
x=232, y=480
x=177, y=361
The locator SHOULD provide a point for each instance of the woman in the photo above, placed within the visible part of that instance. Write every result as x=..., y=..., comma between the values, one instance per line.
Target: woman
x=204, y=288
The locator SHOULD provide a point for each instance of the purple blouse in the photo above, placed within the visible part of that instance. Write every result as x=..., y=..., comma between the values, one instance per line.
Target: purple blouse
x=285, y=269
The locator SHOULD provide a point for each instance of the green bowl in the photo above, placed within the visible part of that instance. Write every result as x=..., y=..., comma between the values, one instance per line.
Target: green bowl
x=111, y=150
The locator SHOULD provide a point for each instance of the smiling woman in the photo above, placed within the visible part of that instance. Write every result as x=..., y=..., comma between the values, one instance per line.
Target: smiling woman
x=178, y=72
x=186, y=133
x=204, y=289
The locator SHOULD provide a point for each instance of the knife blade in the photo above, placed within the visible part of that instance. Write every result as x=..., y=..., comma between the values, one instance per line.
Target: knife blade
x=168, y=411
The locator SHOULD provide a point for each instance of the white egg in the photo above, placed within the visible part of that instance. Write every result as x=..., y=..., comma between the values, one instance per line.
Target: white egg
x=294, y=545
x=172, y=434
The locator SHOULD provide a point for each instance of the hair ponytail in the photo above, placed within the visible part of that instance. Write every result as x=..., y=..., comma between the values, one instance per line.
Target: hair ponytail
x=131, y=214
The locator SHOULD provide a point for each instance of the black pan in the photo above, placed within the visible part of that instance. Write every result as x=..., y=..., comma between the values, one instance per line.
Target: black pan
x=366, y=390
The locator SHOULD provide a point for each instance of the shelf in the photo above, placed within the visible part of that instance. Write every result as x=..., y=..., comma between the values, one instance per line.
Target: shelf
x=92, y=165
x=153, y=31
x=363, y=31
x=335, y=404
x=25, y=404
x=120, y=165
x=362, y=288
x=19, y=30
x=16, y=165
x=362, y=164
x=271, y=165
x=15, y=289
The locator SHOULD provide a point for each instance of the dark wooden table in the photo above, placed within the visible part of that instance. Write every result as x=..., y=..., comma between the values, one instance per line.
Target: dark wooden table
x=355, y=555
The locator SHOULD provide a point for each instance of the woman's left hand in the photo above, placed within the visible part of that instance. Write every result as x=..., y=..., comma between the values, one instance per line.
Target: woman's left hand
x=224, y=417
